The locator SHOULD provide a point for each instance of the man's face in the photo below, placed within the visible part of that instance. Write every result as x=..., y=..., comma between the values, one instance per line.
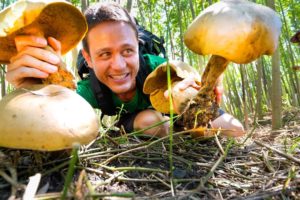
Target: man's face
x=114, y=55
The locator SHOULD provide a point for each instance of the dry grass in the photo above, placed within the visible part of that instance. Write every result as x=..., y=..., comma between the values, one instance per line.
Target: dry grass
x=262, y=165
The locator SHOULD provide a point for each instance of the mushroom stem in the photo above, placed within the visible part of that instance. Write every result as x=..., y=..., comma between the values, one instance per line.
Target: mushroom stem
x=62, y=77
x=203, y=108
x=214, y=68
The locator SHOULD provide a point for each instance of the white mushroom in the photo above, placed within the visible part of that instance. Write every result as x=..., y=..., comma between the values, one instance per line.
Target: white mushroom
x=46, y=118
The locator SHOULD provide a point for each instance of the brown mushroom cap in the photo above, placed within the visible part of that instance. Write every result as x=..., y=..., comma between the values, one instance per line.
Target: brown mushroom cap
x=237, y=30
x=156, y=83
x=51, y=118
x=55, y=18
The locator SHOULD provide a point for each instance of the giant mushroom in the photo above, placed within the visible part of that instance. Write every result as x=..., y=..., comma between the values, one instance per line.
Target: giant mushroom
x=236, y=31
x=47, y=116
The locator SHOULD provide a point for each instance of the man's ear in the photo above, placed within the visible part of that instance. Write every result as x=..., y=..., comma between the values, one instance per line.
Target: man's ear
x=87, y=58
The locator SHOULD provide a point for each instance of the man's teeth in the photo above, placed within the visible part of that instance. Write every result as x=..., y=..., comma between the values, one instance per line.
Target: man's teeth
x=118, y=77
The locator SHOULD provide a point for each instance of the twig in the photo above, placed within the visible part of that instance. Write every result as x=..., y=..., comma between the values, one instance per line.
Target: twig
x=9, y=179
x=109, y=180
x=296, y=160
x=267, y=162
x=249, y=135
x=137, y=180
x=143, y=169
x=122, y=195
x=163, y=182
x=218, y=142
x=267, y=193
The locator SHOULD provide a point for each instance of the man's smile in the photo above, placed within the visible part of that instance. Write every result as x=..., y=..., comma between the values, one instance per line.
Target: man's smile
x=119, y=76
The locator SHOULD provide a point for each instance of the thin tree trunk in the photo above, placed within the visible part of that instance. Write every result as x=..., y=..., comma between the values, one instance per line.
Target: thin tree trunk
x=242, y=71
x=276, y=85
x=276, y=92
x=266, y=84
x=84, y=5
x=150, y=13
x=141, y=13
x=129, y=5
x=169, y=38
x=180, y=29
x=258, y=109
x=192, y=9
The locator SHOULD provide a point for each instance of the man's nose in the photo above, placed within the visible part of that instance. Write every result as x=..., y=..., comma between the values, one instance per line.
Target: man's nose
x=118, y=62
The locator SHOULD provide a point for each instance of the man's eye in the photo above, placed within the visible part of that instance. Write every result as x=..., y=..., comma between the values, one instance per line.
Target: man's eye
x=104, y=55
x=128, y=52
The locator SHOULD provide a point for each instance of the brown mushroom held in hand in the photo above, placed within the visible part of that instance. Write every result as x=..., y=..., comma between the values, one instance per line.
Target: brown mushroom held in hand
x=156, y=84
x=230, y=30
x=57, y=18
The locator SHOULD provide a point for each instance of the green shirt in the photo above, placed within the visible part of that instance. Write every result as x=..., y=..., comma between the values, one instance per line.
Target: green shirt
x=139, y=102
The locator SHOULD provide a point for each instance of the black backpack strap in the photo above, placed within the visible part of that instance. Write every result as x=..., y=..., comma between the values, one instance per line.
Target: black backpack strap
x=82, y=66
x=102, y=94
x=143, y=72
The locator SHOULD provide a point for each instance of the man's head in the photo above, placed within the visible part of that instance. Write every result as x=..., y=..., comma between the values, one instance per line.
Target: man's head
x=102, y=12
x=111, y=48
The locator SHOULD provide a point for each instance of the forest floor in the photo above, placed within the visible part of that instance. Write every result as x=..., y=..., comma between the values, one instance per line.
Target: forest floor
x=263, y=164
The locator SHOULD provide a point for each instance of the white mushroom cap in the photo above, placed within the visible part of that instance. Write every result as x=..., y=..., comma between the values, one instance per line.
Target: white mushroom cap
x=237, y=30
x=49, y=119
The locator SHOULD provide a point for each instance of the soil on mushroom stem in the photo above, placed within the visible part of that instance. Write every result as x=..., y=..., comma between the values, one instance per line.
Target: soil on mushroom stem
x=249, y=171
x=200, y=110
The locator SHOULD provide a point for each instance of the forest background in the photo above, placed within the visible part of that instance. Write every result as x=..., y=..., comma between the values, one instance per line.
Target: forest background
x=265, y=87
x=264, y=91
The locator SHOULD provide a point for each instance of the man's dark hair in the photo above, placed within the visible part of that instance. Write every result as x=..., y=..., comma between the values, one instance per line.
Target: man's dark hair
x=102, y=12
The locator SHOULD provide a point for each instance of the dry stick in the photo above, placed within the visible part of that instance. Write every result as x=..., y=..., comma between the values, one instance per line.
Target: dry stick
x=267, y=162
x=274, y=191
x=296, y=160
x=10, y=180
x=137, y=180
x=249, y=135
x=163, y=182
x=218, y=142
x=143, y=169
x=130, y=195
x=109, y=180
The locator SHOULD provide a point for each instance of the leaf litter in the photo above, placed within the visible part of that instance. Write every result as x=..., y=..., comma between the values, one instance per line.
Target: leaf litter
x=264, y=164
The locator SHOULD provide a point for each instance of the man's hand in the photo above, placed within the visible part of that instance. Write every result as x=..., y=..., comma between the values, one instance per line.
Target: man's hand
x=32, y=60
x=182, y=91
x=187, y=87
x=183, y=85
